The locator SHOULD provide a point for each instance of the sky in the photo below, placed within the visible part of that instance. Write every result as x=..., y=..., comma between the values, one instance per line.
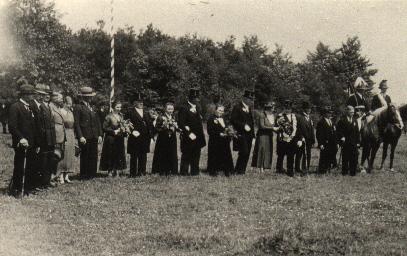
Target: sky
x=296, y=25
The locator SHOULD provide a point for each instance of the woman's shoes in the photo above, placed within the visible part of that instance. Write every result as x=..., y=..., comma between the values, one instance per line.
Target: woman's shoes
x=67, y=180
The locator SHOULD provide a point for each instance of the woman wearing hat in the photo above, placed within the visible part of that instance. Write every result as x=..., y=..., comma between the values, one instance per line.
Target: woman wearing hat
x=381, y=99
x=66, y=166
x=263, y=147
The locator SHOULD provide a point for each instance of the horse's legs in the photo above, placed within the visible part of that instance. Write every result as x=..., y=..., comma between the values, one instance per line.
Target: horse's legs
x=384, y=155
x=392, y=149
x=373, y=152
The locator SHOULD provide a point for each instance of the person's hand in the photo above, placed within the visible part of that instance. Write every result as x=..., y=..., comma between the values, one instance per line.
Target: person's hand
x=247, y=128
x=321, y=147
x=82, y=140
x=187, y=128
x=116, y=131
x=100, y=139
x=222, y=134
x=299, y=143
x=192, y=136
x=135, y=134
x=343, y=139
x=23, y=142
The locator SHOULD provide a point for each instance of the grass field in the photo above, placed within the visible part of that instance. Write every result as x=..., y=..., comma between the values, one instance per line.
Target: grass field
x=255, y=214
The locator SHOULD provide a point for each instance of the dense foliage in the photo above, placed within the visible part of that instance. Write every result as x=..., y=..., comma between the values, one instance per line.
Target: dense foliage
x=164, y=66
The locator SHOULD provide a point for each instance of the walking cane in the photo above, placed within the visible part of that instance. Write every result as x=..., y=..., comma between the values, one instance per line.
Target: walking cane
x=340, y=158
x=23, y=178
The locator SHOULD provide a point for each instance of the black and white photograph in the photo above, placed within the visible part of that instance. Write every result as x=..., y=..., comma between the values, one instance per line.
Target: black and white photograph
x=203, y=127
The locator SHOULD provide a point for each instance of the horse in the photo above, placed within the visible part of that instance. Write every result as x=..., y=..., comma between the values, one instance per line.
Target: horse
x=380, y=126
x=391, y=136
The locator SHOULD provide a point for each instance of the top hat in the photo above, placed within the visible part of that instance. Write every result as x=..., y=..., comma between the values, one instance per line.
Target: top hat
x=138, y=96
x=193, y=93
x=26, y=89
x=305, y=105
x=326, y=109
x=383, y=84
x=86, y=91
x=249, y=94
x=42, y=89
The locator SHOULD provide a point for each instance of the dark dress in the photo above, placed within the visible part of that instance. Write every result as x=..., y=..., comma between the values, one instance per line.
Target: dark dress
x=326, y=137
x=263, y=147
x=165, y=160
x=219, y=152
x=113, y=154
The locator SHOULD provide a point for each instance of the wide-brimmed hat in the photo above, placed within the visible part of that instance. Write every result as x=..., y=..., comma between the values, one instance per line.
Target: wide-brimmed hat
x=269, y=104
x=86, y=91
x=42, y=89
x=249, y=94
x=383, y=84
x=360, y=107
x=326, y=109
x=26, y=89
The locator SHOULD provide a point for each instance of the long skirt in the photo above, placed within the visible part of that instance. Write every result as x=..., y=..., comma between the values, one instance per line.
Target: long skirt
x=165, y=160
x=113, y=154
x=263, y=151
x=67, y=163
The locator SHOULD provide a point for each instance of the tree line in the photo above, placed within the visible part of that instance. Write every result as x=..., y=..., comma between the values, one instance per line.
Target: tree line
x=164, y=66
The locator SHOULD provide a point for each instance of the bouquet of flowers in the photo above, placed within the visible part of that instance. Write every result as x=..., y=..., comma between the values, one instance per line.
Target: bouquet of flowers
x=230, y=132
x=126, y=127
x=170, y=124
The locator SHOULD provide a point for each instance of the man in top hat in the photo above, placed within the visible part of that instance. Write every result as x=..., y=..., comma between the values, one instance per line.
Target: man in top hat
x=349, y=137
x=305, y=127
x=138, y=144
x=88, y=131
x=327, y=143
x=23, y=130
x=358, y=98
x=289, y=140
x=192, y=137
x=243, y=123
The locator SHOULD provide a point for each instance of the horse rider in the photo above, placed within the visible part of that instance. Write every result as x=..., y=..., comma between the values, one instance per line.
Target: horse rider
x=358, y=98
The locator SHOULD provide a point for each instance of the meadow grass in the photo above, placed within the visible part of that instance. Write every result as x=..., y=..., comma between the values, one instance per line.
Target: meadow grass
x=255, y=214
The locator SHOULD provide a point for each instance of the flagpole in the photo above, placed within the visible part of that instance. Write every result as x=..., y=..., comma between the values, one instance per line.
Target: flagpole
x=111, y=54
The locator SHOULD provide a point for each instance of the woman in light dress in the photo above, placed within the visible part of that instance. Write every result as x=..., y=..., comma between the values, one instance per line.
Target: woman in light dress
x=66, y=166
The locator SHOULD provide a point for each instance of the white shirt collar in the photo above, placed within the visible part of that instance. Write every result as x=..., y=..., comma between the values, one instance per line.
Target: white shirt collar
x=192, y=105
x=140, y=111
x=244, y=105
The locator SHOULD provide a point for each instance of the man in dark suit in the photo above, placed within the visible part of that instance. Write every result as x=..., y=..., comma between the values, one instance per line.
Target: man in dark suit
x=381, y=99
x=46, y=134
x=138, y=144
x=242, y=121
x=89, y=133
x=349, y=137
x=23, y=130
x=305, y=127
x=4, y=115
x=326, y=137
x=192, y=137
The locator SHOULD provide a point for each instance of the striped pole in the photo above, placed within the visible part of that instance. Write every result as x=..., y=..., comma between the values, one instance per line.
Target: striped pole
x=111, y=55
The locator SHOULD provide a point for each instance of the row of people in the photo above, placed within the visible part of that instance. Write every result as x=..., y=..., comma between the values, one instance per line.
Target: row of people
x=44, y=134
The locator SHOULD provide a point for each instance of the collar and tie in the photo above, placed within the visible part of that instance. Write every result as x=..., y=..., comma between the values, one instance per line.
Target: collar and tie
x=193, y=107
x=245, y=107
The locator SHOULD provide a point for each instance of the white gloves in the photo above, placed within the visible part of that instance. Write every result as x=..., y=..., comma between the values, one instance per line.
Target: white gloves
x=135, y=134
x=247, y=128
x=192, y=136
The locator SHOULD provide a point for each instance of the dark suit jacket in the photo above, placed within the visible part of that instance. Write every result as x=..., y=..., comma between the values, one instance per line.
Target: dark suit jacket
x=356, y=100
x=22, y=125
x=46, y=126
x=239, y=119
x=87, y=123
x=194, y=122
x=140, y=144
x=376, y=103
x=348, y=130
x=326, y=134
x=306, y=129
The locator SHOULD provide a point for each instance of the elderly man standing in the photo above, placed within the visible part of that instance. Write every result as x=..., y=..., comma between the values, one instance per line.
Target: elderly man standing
x=55, y=106
x=89, y=133
x=23, y=130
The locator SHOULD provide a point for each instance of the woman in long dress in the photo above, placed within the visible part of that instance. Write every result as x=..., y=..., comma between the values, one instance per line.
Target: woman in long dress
x=263, y=147
x=219, y=152
x=66, y=166
x=113, y=158
x=165, y=159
